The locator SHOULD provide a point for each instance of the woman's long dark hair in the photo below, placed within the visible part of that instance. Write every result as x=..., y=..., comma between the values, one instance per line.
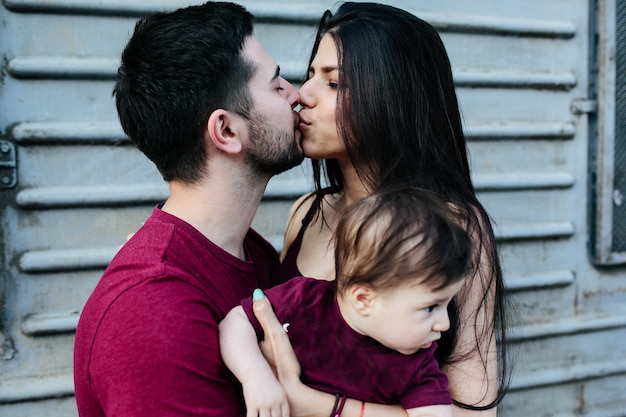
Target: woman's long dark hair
x=399, y=119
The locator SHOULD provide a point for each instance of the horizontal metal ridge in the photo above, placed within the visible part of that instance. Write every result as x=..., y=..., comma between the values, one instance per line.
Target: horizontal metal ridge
x=307, y=14
x=535, y=230
x=514, y=79
x=523, y=181
x=500, y=25
x=35, y=388
x=61, y=132
x=572, y=373
x=26, y=133
x=53, y=323
x=582, y=323
x=539, y=280
x=91, y=195
x=47, y=67
x=64, y=67
x=110, y=132
x=70, y=196
x=66, y=259
x=519, y=130
x=116, y=195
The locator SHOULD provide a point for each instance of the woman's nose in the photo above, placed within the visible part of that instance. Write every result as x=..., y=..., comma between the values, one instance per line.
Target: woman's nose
x=306, y=99
x=293, y=97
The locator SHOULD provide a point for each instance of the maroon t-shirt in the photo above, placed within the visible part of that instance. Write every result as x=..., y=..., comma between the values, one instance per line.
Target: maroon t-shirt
x=147, y=339
x=336, y=359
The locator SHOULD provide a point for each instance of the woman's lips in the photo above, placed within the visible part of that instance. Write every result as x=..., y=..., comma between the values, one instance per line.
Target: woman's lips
x=303, y=123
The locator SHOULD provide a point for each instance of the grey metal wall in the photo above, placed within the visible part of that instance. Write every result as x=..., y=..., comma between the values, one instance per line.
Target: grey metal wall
x=71, y=187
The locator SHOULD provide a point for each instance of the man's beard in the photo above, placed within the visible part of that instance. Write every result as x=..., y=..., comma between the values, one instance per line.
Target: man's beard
x=272, y=151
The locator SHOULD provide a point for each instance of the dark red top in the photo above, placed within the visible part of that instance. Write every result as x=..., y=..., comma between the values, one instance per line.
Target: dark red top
x=288, y=268
x=147, y=340
x=337, y=359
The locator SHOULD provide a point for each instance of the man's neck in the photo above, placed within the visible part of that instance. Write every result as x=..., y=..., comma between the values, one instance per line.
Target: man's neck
x=221, y=212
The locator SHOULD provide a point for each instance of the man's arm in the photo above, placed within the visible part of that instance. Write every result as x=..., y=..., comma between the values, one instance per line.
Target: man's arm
x=263, y=394
x=156, y=352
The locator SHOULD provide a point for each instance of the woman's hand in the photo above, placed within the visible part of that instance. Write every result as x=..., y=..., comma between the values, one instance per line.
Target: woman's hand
x=276, y=346
x=277, y=349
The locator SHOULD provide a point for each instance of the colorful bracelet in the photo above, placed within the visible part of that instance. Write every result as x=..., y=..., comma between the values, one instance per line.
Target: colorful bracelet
x=343, y=402
x=334, y=410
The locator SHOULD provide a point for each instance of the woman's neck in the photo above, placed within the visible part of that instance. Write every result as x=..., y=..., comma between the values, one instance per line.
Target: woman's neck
x=353, y=187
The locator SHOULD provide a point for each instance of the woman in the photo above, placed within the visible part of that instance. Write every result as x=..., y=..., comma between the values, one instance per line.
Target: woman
x=379, y=109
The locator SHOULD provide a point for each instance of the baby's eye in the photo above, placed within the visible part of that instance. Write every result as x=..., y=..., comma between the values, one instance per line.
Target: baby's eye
x=430, y=309
x=333, y=84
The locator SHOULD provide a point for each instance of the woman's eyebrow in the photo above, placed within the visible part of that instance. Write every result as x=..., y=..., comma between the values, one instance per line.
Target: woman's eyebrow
x=326, y=69
x=276, y=74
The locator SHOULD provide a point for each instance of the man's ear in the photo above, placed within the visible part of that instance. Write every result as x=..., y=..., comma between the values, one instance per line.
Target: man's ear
x=362, y=298
x=225, y=130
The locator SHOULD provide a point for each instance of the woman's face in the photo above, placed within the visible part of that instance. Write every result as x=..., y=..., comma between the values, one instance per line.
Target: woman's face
x=318, y=99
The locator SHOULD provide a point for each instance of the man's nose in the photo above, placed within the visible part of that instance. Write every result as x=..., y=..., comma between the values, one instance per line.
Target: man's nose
x=293, y=97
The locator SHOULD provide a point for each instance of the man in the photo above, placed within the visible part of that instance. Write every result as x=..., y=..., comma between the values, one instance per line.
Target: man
x=200, y=97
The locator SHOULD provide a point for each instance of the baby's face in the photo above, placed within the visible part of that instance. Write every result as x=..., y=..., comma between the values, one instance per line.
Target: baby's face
x=410, y=317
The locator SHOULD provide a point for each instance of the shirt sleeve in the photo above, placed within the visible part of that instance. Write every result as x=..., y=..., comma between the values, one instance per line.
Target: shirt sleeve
x=429, y=385
x=156, y=352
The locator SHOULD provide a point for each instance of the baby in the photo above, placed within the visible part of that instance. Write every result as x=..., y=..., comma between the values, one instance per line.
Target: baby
x=401, y=256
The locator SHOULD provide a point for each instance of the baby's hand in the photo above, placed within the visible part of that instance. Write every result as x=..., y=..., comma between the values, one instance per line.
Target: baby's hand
x=265, y=397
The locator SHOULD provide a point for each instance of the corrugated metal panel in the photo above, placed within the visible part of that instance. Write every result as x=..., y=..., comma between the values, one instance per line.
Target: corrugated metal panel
x=522, y=73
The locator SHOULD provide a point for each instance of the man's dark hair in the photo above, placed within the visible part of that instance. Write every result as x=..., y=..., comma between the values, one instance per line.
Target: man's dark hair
x=177, y=69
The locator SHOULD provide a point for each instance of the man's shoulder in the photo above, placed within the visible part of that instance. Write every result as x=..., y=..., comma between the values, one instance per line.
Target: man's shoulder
x=263, y=255
x=261, y=246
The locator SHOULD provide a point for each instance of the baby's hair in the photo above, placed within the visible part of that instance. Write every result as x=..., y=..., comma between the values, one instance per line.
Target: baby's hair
x=401, y=236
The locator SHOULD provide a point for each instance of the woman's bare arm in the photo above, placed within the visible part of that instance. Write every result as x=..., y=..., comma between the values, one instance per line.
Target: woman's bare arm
x=473, y=378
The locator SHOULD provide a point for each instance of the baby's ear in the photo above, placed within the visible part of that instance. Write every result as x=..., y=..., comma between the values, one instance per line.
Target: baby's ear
x=362, y=298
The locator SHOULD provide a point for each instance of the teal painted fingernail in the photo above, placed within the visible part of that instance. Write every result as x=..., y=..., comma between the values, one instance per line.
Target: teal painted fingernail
x=258, y=294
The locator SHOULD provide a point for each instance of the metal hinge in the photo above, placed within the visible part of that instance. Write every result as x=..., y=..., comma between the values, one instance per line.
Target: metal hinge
x=583, y=106
x=8, y=165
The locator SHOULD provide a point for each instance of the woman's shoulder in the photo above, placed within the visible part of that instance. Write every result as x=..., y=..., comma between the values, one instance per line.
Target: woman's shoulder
x=299, y=209
x=305, y=207
x=304, y=202
x=297, y=213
